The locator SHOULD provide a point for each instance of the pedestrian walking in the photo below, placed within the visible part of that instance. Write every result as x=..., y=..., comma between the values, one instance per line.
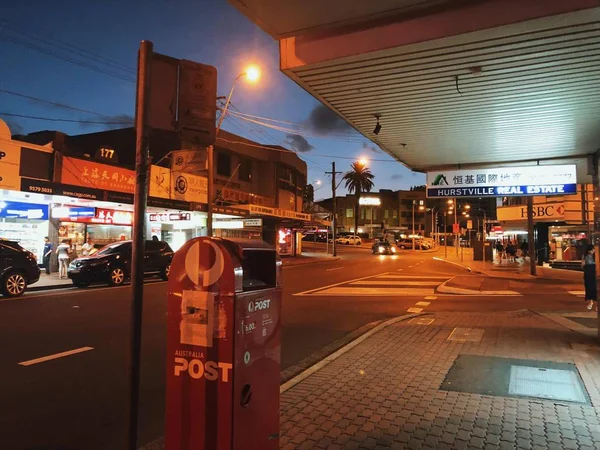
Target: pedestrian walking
x=47, y=254
x=510, y=252
x=63, y=258
x=524, y=249
x=499, y=251
x=589, y=277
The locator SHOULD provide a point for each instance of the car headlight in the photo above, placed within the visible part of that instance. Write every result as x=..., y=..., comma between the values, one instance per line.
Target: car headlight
x=381, y=249
x=393, y=249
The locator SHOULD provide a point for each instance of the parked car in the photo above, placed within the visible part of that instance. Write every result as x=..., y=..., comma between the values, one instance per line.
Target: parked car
x=349, y=240
x=18, y=269
x=408, y=244
x=112, y=263
x=383, y=248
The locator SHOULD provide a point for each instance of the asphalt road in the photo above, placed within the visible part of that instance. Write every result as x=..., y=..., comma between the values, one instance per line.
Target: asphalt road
x=79, y=401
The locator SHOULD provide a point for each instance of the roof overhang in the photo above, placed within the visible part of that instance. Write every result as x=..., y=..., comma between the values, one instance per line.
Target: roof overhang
x=487, y=83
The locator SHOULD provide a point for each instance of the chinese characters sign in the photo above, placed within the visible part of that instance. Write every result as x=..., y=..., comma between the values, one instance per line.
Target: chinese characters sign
x=503, y=182
x=88, y=173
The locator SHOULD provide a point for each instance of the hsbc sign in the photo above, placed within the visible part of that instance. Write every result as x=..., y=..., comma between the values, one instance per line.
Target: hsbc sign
x=550, y=211
x=541, y=212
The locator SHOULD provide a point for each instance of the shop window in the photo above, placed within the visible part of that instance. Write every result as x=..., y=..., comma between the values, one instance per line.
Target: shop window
x=394, y=214
x=365, y=213
x=223, y=164
x=245, y=171
x=349, y=213
x=386, y=214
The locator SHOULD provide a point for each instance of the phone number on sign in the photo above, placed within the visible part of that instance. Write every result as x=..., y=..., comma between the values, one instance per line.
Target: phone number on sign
x=45, y=190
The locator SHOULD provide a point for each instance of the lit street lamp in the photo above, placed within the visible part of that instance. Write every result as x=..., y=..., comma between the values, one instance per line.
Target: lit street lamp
x=252, y=74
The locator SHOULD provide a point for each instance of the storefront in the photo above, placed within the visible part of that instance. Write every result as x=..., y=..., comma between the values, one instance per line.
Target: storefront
x=24, y=222
x=176, y=227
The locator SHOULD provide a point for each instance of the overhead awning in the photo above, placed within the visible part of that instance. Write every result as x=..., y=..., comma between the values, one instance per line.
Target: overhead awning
x=476, y=83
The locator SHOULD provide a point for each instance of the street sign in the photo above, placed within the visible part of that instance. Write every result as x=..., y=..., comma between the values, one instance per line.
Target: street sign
x=455, y=228
x=469, y=224
x=503, y=181
x=197, y=111
x=162, y=98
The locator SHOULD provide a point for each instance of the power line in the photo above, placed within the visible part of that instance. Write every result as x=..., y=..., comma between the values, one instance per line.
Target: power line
x=60, y=105
x=53, y=119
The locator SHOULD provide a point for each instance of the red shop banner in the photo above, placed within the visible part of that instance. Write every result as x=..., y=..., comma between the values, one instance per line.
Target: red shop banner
x=91, y=174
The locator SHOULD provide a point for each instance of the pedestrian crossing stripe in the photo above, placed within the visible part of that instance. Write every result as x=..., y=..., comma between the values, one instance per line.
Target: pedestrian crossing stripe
x=577, y=293
x=396, y=283
x=383, y=285
x=368, y=291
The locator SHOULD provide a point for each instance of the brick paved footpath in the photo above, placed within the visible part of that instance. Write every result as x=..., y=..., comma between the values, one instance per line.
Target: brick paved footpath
x=385, y=391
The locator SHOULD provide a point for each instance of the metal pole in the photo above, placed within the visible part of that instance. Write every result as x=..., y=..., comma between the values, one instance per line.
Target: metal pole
x=137, y=260
x=445, y=234
x=530, y=235
x=334, y=222
x=210, y=188
x=413, y=226
x=456, y=243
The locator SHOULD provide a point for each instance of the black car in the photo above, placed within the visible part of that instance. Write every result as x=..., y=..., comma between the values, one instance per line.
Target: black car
x=112, y=263
x=18, y=269
x=383, y=248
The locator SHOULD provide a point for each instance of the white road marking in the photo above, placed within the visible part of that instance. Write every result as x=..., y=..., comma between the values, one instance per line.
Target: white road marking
x=414, y=310
x=396, y=283
x=373, y=292
x=400, y=270
x=430, y=297
x=423, y=303
x=411, y=277
x=577, y=293
x=335, y=268
x=31, y=362
x=310, y=291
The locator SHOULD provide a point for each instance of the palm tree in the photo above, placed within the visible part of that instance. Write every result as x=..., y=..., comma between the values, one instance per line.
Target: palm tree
x=358, y=179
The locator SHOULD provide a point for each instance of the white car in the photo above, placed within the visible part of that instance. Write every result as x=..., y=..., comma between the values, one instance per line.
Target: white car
x=349, y=240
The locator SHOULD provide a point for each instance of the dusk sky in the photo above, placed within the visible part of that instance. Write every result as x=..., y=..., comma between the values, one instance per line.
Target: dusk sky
x=43, y=46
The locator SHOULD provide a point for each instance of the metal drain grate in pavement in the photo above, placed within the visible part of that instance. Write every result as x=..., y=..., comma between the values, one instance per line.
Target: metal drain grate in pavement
x=466, y=334
x=421, y=321
x=553, y=384
x=518, y=378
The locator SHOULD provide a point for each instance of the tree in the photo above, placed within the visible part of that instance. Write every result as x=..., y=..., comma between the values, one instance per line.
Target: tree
x=357, y=180
x=308, y=197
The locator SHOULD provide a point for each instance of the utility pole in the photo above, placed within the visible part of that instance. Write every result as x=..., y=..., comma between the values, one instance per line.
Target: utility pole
x=137, y=261
x=334, y=207
x=456, y=235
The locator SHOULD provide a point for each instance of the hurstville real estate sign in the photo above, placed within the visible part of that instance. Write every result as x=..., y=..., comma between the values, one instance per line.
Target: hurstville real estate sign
x=503, y=181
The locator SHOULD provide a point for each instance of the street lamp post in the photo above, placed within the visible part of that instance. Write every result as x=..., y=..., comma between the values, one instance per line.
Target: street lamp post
x=252, y=74
x=413, y=225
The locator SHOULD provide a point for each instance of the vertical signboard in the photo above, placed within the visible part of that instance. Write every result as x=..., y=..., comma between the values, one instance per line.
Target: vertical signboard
x=197, y=102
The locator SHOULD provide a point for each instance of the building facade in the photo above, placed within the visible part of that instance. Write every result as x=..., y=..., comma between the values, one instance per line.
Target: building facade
x=79, y=187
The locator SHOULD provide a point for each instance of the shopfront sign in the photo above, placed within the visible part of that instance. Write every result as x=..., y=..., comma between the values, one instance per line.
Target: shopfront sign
x=241, y=197
x=276, y=212
x=74, y=213
x=10, y=160
x=19, y=210
x=95, y=175
x=169, y=217
x=549, y=212
x=503, y=182
x=188, y=187
x=112, y=217
x=369, y=201
x=252, y=223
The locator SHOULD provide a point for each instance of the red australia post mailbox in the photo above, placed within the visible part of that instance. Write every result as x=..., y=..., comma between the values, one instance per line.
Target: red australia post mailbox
x=224, y=346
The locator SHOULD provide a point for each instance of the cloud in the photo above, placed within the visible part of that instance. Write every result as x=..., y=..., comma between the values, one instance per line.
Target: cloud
x=370, y=147
x=298, y=143
x=14, y=126
x=123, y=121
x=324, y=121
x=116, y=121
x=397, y=176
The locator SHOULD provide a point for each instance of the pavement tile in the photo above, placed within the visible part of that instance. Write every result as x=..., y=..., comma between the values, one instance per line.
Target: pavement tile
x=523, y=443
